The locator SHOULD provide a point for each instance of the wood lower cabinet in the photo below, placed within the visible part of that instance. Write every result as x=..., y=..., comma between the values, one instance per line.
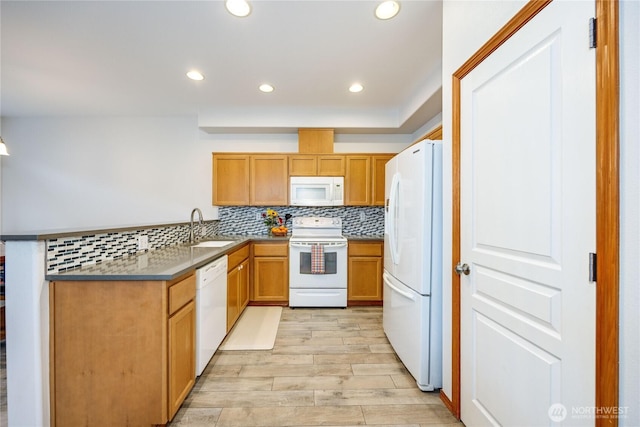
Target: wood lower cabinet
x=364, y=284
x=182, y=361
x=122, y=352
x=237, y=284
x=270, y=273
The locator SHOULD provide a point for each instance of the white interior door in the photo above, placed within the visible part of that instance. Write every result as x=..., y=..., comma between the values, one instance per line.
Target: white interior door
x=528, y=226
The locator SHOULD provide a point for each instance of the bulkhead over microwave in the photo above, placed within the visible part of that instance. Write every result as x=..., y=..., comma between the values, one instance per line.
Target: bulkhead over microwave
x=317, y=191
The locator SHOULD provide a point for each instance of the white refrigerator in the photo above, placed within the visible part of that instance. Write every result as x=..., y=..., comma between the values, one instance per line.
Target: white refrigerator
x=412, y=307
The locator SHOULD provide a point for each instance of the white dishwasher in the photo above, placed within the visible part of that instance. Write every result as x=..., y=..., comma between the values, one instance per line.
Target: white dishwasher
x=211, y=310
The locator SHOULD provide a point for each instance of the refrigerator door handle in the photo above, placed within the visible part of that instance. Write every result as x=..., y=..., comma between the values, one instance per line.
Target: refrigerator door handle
x=397, y=290
x=393, y=218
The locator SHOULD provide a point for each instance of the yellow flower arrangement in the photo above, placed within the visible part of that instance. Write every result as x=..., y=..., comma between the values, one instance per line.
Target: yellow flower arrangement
x=275, y=225
x=271, y=218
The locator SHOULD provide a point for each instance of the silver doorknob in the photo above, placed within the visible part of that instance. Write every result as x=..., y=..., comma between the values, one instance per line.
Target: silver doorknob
x=462, y=269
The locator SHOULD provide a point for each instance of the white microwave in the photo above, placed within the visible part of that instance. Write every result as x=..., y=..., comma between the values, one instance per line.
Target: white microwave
x=317, y=191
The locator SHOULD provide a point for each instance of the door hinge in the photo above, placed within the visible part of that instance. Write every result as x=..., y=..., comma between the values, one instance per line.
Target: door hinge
x=593, y=33
x=593, y=267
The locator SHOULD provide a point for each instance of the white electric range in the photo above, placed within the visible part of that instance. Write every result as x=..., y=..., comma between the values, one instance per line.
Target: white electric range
x=317, y=263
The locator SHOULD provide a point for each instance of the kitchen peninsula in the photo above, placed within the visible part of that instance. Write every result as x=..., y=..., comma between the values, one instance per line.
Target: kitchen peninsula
x=40, y=262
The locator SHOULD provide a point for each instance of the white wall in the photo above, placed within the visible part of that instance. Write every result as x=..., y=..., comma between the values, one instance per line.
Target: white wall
x=467, y=25
x=630, y=211
x=85, y=173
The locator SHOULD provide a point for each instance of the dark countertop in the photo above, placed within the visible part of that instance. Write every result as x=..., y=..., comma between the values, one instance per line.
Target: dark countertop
x=160, y=264
x=56, y=234
x=355, y=237
x=166, y=263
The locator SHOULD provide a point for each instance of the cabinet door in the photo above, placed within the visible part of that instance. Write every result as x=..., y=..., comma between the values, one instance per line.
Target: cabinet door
x=243, y=285
x=303, y=165
x=365, y=272
x=365, y=279
x=358, y=181
x=331, y=165
x=230, y=179
x=269, y=179
x=109, y=353
x=270, y=279
x=377, y=178
x=233, y=306
x=182, y=356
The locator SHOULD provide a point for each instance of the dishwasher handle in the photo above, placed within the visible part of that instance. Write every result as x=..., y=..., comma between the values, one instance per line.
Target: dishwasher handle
x=215, y=268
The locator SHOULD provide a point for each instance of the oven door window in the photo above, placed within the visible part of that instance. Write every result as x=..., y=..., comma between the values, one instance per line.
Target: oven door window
x=330, y=263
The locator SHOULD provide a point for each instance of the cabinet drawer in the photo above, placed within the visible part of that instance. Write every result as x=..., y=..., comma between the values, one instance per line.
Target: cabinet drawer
x=270, y=249
x=365, y=248
x=181, y=293
x=237, y=257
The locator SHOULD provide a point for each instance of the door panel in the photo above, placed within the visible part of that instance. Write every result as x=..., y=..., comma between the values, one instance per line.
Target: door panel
x=541, y=376
x=528, y=224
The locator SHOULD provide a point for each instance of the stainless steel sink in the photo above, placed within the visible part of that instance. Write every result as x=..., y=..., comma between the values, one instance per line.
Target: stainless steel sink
x=212, y=244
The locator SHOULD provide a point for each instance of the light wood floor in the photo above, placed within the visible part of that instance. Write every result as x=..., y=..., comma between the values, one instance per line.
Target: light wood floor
x=329, y=367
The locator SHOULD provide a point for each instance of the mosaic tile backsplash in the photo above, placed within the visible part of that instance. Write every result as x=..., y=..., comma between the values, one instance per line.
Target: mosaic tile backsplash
x=247, y=220
x=72, y=252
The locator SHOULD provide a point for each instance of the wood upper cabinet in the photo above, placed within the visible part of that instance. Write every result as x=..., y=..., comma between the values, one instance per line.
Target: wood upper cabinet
x=378, y=163
x=364, y=179
x=243, y=179
x=269, y=180
x=270, y=272
x=237, y=284
x=231, y=181
x=331, y=165
x=316, y=165
x=364, y=284
x=303, y=165
x=122, y=352
x=358, y=180
x=262, y=179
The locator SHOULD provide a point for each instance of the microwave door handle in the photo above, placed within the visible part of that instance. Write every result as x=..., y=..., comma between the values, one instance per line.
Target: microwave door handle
x=337, y=192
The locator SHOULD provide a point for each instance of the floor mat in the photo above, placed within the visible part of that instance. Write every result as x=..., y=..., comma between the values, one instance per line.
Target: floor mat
x=256, y=329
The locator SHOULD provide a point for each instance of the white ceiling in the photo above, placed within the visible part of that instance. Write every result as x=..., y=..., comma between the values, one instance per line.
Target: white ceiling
x=105, y=58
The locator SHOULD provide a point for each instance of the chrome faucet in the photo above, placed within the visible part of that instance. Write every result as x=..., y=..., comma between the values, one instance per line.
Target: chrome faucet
x=192, y=237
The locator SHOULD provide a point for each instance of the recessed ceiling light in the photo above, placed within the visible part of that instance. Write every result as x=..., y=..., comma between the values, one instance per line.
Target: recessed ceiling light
x=195, y=75
x=240, y=8
x=387, y=9
x=266, y=88
x=355, y=88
